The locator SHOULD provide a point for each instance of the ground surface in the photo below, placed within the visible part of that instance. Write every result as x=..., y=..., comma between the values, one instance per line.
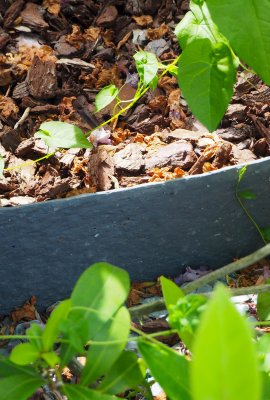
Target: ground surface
x=57, y=55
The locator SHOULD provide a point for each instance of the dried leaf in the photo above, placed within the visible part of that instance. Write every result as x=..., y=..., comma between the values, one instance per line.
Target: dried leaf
x=110, y=77
x=108, y=37
x=154, y=143
x=176, y=113
x=164, y=174
x=157, y=103
x=120, y=134
x=123, y=41
x=53, y=6
x=143, y=20
x=27, y=311
x=167, y=83
x=8, y=107
x=92, y=33
x=158, y=33
x=77, y=192
x=76, y=37
x=208, y=167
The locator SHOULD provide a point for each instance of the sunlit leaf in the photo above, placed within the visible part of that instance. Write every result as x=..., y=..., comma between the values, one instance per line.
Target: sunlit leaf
x=171, y=292
x=263, y=305
x=105, y=97
x=147, y=66
x=61, y=134
x=76, y=392
x=24, y=354
x=19, y=387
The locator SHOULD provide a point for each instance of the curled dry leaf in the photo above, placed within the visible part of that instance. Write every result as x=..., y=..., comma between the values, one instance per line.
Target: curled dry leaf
x=120, y=134
x=27, y=311
x=154, y=143
x=210, y=151
x=53, y=6
x=158, y=33
x=176, y=113
x=92, y=33
x=110, y=77
x=157, y=103
x=7, y=107
x=164, y=174
x=143, y=20
x=123, y=41
x=76, y=37
x=108, y=37
x=208, y=167
x=167, y=83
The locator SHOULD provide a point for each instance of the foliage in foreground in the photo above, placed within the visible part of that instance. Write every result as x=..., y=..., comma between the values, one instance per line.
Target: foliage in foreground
x=226, y=363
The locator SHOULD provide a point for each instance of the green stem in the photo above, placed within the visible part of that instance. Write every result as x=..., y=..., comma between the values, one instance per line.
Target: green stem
x=242, y=205
x=150, y=336
x=32, y=162
x=245, y=68
x=260, y=323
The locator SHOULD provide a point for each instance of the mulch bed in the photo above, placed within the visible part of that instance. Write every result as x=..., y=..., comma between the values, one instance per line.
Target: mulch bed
x=57, y=55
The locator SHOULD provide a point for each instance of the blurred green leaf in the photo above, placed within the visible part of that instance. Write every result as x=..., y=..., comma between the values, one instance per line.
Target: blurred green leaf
x=99, y=293
x=75, y=392
x=147, y=66
x=24, y=354
x=61, y=134
x=266, y=233
x=8, y=368
x=127, y=372
x=184, y=316
x=263, y=305
x=154, y=82
x=36, y=331
x=100, y=358
x=241, y=173
x=52, y=328
x=51, y=359
x=170, y=369
x=247, y=194
x=223, y=350
x=105, y=97
x=19, y=387
x=171, y=292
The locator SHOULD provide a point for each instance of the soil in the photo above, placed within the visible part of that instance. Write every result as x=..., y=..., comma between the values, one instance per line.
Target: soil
x=55, y=57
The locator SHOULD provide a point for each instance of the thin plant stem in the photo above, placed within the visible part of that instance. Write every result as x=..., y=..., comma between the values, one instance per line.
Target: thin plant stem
x=267, y=101
x=245, y=68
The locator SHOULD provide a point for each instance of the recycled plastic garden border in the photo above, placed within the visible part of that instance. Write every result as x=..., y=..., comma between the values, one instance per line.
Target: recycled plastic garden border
x=148, y=230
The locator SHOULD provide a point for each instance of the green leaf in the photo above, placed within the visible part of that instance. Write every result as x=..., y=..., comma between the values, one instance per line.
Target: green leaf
x=24, y=354
x=51, y=359
x=266, y=233
x=52, y=328
x=7, y=368
x=2, y=166
x=19, y=387
x=248, y=194
x=170, y=369
x=100, y=358
x=99, y=293
x=105, y=97
x=154, y=82
x=248, y=31
x=263, y=352
x=224, y=352
x=75, y=329
x=36, y=331
x=266, y=386
x=147, y=66
x=241, y=173
x=197, y=24
x=127, y=372
x=206, y=74
x=263, y=305
x=76, y=392
x=184, y=316
x=61, y=134
x=171, y=292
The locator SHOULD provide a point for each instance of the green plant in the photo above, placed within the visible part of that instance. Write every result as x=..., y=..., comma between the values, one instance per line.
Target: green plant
x=226, y=363
x=248, y=194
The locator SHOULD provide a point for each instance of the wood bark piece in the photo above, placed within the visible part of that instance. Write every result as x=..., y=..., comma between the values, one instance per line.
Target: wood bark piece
x=236, y=111
x=100, y=166
x=4, y=38
x=159, y=325
x=222, y=155
x=130, y=158
x=242, y=156
x=233, y=134
x=107, y=18
x=198, y=166
x=177, y=154
x=10, y=139
x=21, y=90
x=13, y=12
x=41, y=78
x=64, y=49
x=50, y=109
x=260, y=147
x=32, y=17
x=184, y=134
x=264, y=132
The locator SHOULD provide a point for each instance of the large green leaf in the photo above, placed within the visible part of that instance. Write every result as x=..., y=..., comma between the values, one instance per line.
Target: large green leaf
x=170, y=369
x=105, y=97
x=266, y=386
x=127, y=372
x=52, y=329
x=7, y=368
x=101, y=357
x=197, y=24
x=263, y=305
x=171, y=292
x=75, y=392
x=246, y=24
x=61, y=134
x=225, y=365
x=24, y=354
x=19, y=387
x=99, y=293
x=147, y=66
x=206, y=74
